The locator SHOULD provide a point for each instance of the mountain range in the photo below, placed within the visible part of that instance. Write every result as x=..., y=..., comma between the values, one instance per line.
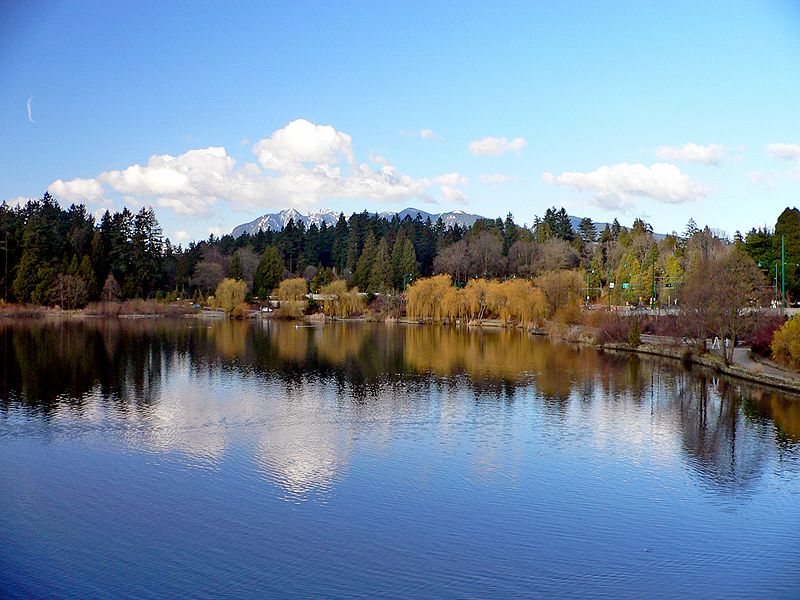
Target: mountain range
x=277, y=221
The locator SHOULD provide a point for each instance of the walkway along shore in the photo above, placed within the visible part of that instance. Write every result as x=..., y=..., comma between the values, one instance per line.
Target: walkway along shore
x=742, y=366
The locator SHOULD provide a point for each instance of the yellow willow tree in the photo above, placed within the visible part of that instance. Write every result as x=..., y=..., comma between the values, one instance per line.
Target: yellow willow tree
x=424, y=297
x=292, y=294
x=560, y=288
x=497, y=300
x=230, y=295
x=524, y=302
x=454, y=304
x=476, y=295
x=339, y=302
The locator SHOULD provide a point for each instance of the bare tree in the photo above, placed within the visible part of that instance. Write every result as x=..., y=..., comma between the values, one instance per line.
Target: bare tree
x=719, y=296
x=70, y=291
x=453, y=260
x=486, y=255
x=208, y=275
x=522, y=258
x=556, y=254
x=248, y=261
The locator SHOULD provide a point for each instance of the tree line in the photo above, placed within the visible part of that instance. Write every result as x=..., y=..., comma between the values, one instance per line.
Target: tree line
x=64, y=256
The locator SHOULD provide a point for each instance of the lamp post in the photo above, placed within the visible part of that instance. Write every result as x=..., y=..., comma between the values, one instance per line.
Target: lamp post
x=653, y=290
x=4, y=246
x=783, y=272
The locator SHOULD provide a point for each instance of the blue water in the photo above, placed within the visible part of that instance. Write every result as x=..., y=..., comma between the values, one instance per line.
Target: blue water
x=239, y=460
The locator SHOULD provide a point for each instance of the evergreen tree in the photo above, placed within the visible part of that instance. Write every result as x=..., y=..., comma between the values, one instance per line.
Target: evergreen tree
x=510, y=233
x=235, y=271
x=787, y=232
x=341, y=233
x=691, y=229
x=380, y=276
x=616, y=229
x=407, y=264
x=587, y=230
x=269, y=272
x=364, y=263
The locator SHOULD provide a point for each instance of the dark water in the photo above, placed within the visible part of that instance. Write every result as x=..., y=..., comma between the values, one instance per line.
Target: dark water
x=177, y=460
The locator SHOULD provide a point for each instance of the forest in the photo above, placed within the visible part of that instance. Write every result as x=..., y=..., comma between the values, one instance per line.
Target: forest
x=64, y=257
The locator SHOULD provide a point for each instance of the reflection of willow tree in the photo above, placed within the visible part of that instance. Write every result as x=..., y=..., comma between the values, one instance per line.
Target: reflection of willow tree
x=510, y=357
x=50, y=363
x=230, y=339
x=782, y=411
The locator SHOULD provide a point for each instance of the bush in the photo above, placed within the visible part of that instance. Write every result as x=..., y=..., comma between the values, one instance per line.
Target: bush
x=786, y=344
x=135, y=307
x=763, y=333
x=634, y=337
x=568, y=314
x=616, y=329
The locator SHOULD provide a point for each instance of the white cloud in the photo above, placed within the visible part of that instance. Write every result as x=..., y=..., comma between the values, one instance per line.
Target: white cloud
x=784, y=151
x=495, y=146
x=301, y=165
x=181, y=236
x=378, y=159
x=772, y=178
x=77, y=190
x=497, y=178
x=617, y=186
x=427, y=134
x=708, y=155
x=424, y=133
x=16, y=202
x=450, y=179
x=453, y=194
x=302, y=142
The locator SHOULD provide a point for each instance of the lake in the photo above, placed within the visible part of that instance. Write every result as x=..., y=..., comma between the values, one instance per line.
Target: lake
x=195, y=459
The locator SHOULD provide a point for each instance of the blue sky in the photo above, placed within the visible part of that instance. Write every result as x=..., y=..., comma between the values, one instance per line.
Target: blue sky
x=215, y=113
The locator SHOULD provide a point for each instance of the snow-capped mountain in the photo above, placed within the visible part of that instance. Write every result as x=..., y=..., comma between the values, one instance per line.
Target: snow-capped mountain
x=277, y=221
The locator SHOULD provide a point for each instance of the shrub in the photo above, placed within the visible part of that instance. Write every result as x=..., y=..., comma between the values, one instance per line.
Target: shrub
x=634, y=337
x=763, y=333
x=611, y=327
x=786, y=344
x=568, y=314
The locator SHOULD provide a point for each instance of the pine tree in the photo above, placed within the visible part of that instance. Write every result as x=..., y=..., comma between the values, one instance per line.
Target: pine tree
x=341, y=233
x=235, y=272
x=408, y=262
x=269, y=272
x=364, y=263
x=587, y=230
x=380, y=276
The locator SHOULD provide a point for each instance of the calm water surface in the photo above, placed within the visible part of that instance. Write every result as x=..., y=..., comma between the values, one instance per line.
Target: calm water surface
x=194, y=459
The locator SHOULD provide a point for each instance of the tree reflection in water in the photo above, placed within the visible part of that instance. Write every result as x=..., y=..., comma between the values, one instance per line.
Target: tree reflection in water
x=719, y=425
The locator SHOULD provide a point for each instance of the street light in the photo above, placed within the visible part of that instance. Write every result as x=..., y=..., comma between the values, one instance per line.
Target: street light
x=4, y=246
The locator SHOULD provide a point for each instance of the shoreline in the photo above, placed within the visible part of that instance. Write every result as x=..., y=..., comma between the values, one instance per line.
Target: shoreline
x=765, y=373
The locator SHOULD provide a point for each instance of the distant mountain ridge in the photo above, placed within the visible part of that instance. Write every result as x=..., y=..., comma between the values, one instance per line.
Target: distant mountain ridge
x=277, y=221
